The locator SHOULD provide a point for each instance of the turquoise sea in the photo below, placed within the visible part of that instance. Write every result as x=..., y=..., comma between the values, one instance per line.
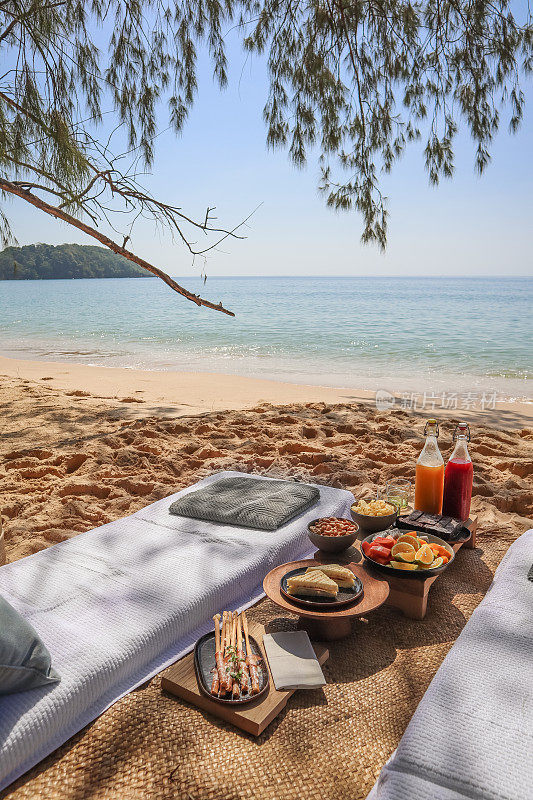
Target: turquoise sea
x=398, y=334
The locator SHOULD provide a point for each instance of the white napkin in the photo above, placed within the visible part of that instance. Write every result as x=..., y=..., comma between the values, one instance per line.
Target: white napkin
x=292, y=661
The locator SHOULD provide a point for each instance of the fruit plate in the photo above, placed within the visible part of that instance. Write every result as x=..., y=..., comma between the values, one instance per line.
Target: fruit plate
x=405, y=573
x=344, y=596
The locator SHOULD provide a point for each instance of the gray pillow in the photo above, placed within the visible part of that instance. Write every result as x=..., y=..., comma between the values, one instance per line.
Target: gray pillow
x=247, y=502
x=25, y=663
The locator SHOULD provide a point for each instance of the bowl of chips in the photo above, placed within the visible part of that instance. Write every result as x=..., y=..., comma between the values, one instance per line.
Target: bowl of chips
x=374, y=515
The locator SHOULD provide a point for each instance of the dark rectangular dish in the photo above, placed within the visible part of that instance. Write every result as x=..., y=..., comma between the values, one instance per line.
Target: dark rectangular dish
x=204, y=664
x=446, y=528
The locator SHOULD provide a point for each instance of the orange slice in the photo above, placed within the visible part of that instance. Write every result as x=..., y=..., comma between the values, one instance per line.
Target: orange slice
x=409, y=538
x=407, y=556
x=403, y=547
x=402, y=565
x=425, y=555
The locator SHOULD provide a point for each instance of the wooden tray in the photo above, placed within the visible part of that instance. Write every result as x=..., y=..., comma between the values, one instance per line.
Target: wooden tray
x=180, y=679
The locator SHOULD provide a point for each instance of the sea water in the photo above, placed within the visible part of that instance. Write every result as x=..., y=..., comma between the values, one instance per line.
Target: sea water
x=433, y=335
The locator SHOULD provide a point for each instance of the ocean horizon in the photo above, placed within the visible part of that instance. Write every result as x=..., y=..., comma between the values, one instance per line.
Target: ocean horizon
x=414, y=334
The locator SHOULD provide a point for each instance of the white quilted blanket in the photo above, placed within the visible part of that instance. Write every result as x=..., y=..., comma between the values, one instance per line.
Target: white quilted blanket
x=472, y=733
x=119, y=603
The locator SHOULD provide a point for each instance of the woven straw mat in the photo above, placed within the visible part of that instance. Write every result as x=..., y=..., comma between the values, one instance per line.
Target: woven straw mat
x=327, y=744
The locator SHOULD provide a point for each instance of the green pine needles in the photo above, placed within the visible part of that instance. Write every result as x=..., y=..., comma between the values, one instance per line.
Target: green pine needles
x=358, y=80
x=352, y=82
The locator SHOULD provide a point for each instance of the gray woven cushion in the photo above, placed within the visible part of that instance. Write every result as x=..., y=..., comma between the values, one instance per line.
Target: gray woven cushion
x=25, y=662
x=247, y=502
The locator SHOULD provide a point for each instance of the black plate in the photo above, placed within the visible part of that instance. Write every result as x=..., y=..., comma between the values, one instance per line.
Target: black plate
x=204, y=665
x=344, y=596
x=422, y=574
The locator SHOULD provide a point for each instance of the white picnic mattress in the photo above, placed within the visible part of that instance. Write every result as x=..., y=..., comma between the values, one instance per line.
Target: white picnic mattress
x=472, y=733
x=119, y=603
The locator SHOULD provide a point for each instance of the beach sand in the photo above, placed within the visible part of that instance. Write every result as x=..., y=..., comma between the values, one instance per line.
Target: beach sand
x=79, y=450
x=81, y=446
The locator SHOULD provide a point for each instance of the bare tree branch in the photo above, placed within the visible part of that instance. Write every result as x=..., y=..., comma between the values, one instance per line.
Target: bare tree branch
x=12, y=188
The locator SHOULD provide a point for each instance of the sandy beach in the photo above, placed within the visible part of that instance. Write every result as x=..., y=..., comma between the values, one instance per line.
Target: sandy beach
x=140, y=393
x=78, y=450
x=224, y=255
x=82, y=445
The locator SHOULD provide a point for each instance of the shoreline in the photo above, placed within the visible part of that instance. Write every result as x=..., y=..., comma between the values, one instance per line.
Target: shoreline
x=173, y=393
x=308, y=375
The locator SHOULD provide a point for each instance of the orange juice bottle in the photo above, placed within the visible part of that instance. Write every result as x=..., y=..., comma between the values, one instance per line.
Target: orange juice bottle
x=429, y=481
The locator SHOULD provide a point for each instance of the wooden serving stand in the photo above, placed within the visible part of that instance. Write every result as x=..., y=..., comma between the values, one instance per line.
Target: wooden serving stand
x=180, y=679
x=410, y=595
x=329, y=625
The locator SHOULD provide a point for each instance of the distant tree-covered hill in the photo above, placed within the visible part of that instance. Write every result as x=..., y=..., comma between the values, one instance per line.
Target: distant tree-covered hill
x=44, y=261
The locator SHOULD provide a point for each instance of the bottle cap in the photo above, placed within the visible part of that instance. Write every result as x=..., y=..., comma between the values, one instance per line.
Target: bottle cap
x=429, y=423
x=461, y=429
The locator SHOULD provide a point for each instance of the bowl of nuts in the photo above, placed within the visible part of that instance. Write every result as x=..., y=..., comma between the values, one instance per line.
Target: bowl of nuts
x=374, y=515
x=332, y=534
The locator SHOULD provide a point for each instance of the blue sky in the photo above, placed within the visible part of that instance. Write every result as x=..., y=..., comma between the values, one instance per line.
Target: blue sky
x=470, y=225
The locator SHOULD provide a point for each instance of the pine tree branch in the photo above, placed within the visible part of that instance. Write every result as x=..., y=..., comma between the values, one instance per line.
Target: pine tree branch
x=12, y=188
x=36, y=6
x=129, y=192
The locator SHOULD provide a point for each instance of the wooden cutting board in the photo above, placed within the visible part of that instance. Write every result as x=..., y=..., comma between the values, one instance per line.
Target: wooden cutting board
x=180, y=679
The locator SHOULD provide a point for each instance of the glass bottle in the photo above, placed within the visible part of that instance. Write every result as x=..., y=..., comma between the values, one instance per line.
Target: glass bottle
x=458, y=476
x=429, y=481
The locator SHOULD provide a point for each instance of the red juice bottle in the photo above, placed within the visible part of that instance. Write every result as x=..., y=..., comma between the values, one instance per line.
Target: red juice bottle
x=458, y=477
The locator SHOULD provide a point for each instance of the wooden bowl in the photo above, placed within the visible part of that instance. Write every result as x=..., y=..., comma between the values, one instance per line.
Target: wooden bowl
x=373, y=524
x=332, y=544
